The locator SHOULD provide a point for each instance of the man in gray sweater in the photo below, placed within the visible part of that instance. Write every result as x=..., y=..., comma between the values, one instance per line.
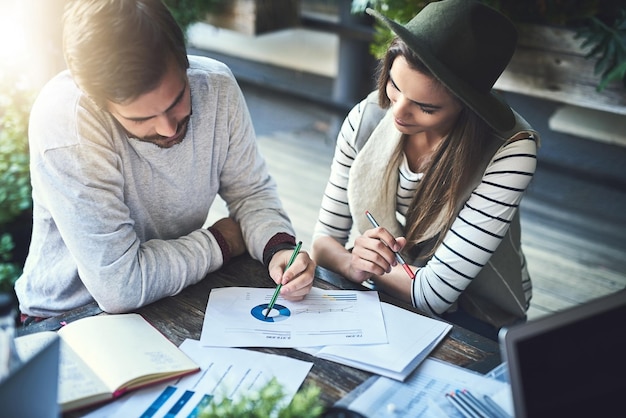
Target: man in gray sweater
x=129, y=149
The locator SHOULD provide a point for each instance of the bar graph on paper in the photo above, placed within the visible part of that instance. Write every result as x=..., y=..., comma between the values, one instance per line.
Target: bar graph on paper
x=225, y=373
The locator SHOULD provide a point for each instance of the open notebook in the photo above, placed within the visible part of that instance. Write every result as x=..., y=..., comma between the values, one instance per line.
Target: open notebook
x=570, y=363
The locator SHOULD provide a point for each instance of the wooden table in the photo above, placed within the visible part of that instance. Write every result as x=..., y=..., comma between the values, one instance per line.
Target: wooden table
x=181, y=317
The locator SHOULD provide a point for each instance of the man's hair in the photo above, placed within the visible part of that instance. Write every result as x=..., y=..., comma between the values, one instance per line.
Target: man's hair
x=118, y=50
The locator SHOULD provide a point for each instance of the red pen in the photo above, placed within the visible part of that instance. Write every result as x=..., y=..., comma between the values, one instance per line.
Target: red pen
x=405, y=266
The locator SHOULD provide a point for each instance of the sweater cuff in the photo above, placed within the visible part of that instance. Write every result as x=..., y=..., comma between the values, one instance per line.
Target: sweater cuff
x=279, y=242
x=221, y=241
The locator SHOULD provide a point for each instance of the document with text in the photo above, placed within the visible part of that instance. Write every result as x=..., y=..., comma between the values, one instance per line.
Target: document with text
x=412, y=337
x=238, y=317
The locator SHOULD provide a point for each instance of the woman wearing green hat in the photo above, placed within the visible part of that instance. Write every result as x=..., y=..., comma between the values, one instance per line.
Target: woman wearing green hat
x=442, y=163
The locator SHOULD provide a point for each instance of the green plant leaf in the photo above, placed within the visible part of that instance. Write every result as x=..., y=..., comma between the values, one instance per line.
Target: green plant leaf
x=617, y=73
x=267, y=403
x=608, y=47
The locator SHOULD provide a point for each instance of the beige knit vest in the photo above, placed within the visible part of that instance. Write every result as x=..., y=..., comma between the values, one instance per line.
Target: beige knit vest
x=495, y=294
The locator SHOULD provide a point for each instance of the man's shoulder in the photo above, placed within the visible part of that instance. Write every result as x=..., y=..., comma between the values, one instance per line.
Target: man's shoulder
x=56, y=103
x=200, y=64
x=59, y=89
x=61, y=113
x=211, y=79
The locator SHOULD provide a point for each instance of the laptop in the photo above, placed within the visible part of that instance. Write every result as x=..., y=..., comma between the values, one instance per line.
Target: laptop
x=570, y=363
x=31, y=390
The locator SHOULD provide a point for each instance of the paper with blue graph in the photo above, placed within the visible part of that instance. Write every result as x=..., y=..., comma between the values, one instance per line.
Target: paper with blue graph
x=225, y=373
x=235, y=317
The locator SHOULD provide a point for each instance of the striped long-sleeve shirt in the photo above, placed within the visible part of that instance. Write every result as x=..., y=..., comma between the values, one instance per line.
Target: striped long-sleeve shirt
x=474, y=235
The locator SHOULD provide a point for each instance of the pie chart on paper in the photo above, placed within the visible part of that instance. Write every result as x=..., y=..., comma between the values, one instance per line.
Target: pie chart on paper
x=278, y=313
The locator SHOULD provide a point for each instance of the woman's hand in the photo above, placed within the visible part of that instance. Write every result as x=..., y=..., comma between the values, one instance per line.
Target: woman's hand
x=373, y=254
x=297, y=280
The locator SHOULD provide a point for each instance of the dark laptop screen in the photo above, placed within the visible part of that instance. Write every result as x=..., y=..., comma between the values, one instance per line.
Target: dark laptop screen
x=571, y=363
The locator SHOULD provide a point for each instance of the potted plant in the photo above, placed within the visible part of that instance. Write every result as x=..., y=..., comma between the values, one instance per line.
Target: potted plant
x=15, y=187
x=265, y=403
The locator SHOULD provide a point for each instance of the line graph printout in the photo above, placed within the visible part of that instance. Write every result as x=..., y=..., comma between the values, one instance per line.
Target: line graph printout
x=236, y=317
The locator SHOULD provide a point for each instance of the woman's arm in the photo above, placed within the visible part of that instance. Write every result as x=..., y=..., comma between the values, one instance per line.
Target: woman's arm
x=332, y=230
x=478, y=229
x=474, y=236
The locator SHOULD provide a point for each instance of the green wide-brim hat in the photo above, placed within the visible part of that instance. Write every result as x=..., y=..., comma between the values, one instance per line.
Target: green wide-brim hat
x=466, y=45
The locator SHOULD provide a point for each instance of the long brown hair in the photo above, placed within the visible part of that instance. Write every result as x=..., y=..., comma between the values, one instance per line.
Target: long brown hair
x=447, y=175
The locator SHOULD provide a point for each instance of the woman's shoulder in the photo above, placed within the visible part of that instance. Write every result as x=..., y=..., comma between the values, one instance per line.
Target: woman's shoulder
x=521, y=131
x=364, y=117
x=524, y=140
x=369, y=108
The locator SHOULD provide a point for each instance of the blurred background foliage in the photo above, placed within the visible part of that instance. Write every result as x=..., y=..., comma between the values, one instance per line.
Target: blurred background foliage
x=15, y=189
x=599, y=24
x=187, y=12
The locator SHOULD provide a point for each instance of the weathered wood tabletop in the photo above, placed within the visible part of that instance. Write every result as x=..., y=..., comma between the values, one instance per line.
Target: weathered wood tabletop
x=181, y=316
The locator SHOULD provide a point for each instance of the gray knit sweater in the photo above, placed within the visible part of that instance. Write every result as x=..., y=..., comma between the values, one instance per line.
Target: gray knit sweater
x=120, y=221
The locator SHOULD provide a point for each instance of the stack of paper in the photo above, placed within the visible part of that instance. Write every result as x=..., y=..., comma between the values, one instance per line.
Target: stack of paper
x=423, y=394
x=345, y=326
x=411, y=338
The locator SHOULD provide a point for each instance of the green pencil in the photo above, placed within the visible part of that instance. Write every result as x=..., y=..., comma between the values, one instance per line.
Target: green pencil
x=279, y=286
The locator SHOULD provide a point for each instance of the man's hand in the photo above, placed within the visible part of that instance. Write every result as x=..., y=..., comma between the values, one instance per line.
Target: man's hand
x=297, y=280
x=231, y=231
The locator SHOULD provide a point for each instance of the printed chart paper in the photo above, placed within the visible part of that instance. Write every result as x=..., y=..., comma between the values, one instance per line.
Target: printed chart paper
x=224, y=373
x=423, y=393
x=235, y=317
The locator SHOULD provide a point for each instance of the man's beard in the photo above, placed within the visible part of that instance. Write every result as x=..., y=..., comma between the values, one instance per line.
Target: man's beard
x=165, y=141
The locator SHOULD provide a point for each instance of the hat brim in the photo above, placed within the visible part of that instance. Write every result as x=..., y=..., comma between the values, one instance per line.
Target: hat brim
x=488, y=106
